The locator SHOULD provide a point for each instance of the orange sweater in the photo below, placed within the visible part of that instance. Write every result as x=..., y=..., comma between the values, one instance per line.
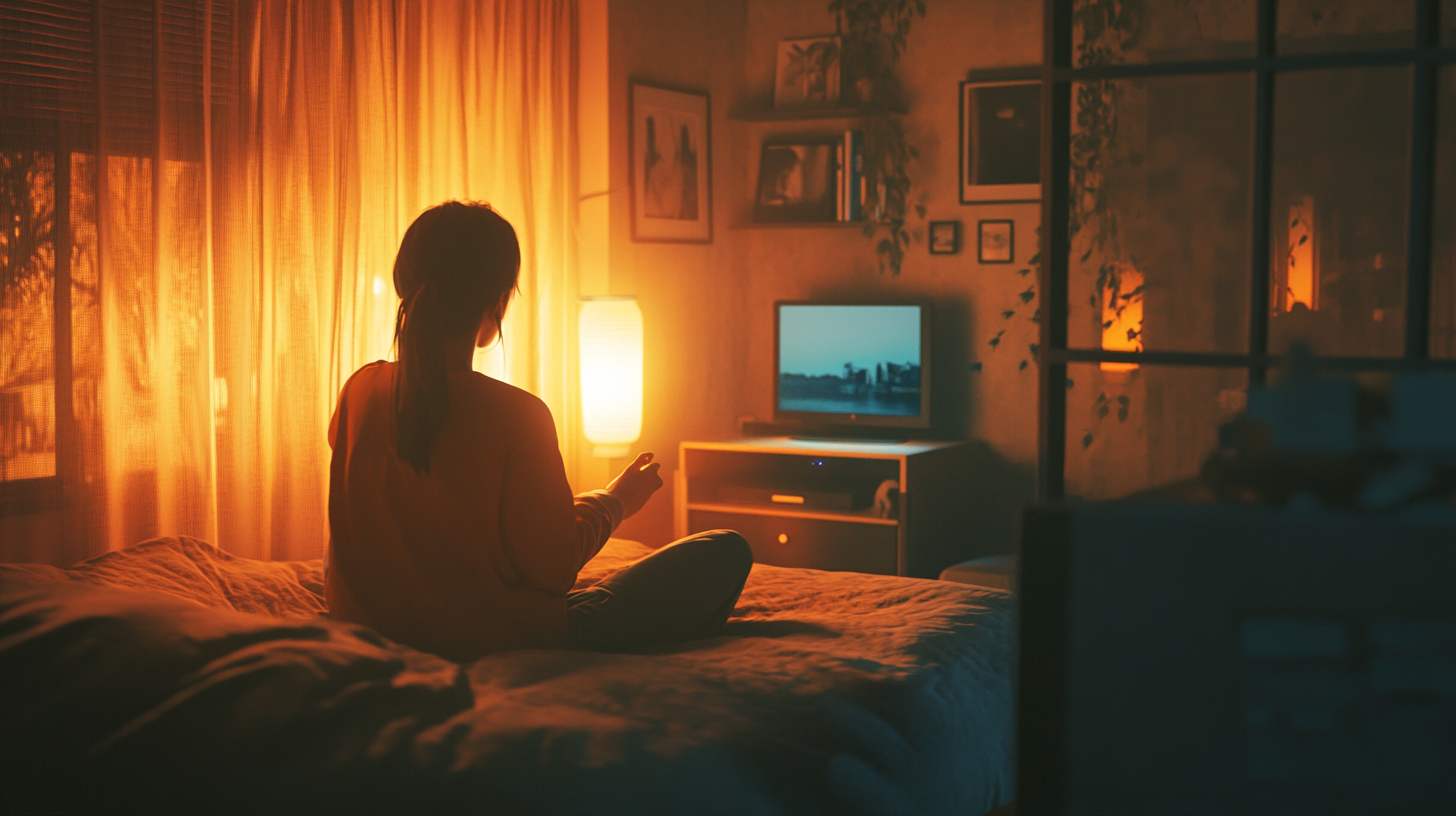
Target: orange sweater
x=475, y=556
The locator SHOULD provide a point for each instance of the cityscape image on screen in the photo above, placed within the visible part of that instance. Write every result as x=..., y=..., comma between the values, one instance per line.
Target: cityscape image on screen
x=849, y=359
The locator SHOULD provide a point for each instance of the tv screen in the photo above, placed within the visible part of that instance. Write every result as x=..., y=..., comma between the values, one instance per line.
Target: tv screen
x=865, y=364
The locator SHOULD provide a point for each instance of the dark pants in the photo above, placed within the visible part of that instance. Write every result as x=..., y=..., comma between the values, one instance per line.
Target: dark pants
x=683, y=591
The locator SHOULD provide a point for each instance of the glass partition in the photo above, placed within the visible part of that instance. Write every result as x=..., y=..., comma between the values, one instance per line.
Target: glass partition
x=1337, y=210
x=1443, y=216
x=1322, y=26
x=1135, y=429
x=1161, y=171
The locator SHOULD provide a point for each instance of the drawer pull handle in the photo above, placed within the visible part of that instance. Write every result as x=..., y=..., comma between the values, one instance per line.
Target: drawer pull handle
x=784, y=498
x=783, y=538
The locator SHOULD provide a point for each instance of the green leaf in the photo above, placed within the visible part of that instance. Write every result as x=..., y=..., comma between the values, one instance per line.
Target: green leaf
x=1102, y=410
x=1122, y=399
x=1122, y=414
x=1069, y=382
x=1023, y=272
x=975, y=366
x=1007, y=314
x=1021, y=367
x=1087, y=440
x=1028, y=295
x=1034, y=349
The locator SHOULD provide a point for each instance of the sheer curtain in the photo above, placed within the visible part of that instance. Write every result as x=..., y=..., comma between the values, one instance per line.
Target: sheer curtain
x=241, y=174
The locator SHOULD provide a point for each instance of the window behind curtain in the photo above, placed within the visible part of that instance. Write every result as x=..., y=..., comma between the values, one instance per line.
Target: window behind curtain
x=50, y=127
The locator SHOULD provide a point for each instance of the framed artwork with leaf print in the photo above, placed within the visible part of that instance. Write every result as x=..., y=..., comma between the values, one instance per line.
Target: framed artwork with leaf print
x=807, y=72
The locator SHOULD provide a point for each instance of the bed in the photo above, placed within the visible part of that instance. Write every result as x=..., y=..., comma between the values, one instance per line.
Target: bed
x=172, y=676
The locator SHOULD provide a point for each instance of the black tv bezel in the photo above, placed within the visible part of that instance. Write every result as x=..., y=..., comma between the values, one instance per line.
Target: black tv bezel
x=859, y=420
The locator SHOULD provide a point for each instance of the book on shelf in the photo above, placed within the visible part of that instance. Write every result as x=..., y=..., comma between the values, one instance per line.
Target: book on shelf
x=849, y=177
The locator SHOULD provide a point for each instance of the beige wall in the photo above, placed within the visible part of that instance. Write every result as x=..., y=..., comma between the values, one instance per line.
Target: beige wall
x=708, y=308
x=692, y=295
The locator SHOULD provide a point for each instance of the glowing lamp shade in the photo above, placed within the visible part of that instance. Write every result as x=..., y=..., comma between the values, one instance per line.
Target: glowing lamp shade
x=611, y=373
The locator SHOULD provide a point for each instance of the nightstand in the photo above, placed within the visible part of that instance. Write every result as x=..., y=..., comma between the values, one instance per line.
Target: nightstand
x=892, y=508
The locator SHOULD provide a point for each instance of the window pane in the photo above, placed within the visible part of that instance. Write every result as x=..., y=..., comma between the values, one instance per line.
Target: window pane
x=1145, y=427
x=1338, y=211
x=27, y=315
x=1162, y=31
x=1313, y=26
x=1443, y=243
x=86, y=346
x=1160, y=247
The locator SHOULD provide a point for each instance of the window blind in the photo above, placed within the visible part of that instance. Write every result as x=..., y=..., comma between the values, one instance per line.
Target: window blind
x=48, y=66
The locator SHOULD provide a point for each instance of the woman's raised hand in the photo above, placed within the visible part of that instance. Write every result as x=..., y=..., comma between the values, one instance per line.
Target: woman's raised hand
x=636, y=484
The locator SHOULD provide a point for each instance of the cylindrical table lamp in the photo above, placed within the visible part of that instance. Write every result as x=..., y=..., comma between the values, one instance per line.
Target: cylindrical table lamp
x=610, y=333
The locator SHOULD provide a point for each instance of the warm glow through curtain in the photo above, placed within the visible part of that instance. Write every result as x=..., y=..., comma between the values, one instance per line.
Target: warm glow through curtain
x=234, y=212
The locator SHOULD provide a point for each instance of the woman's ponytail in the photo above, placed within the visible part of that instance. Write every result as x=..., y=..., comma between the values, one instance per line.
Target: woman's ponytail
x=456, y=261
x=421, y=393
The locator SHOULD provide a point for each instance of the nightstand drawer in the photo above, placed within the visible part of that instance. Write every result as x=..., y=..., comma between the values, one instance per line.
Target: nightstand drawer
x=785, y=541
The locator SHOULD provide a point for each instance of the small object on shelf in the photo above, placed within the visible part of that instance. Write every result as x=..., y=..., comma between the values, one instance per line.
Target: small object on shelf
x=996, y=241
x=807, y=72
x=796, y=182
x=945, y=237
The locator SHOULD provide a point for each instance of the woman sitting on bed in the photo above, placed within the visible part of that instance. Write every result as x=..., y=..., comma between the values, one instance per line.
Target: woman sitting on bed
x=453, y=527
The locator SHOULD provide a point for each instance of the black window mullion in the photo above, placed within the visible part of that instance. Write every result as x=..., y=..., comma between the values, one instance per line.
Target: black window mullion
x=61, y=311
x=1422, y=183
x=1260, y=191
x=1056, y=117
x=1269, y=62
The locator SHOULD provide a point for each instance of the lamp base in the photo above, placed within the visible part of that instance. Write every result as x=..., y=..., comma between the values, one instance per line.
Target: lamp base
x=610, y=451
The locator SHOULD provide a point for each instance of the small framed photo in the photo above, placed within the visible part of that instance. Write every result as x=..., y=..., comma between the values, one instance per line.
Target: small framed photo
x=669, y=165
x=945, y=237
x=796, y=182
x=1000, y=150
x=996, y=242
x=807, y=72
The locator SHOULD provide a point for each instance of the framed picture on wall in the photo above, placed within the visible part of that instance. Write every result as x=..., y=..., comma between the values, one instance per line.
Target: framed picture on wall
x=945, y=237
x=670, y=165
x=796, y=181
x=996, y=242
x=1000, y=144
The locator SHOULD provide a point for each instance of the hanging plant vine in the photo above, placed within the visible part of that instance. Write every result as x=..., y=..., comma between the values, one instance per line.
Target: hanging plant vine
x=874, y=33
x=1108, y=29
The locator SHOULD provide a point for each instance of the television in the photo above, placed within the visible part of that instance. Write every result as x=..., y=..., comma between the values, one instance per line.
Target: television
x=852, y=364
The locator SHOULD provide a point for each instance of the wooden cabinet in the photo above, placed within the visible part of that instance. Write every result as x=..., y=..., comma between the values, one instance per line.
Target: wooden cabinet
x=813, y=503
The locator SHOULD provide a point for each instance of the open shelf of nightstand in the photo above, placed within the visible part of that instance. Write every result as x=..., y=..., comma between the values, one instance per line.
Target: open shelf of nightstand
x=837, y=527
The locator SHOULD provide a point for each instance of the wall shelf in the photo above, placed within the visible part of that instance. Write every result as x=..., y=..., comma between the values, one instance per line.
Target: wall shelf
x=755, y=225
x=805, y=114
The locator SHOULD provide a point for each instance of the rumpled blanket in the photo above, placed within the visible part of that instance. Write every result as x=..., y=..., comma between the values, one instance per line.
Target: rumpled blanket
x=173, y=677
